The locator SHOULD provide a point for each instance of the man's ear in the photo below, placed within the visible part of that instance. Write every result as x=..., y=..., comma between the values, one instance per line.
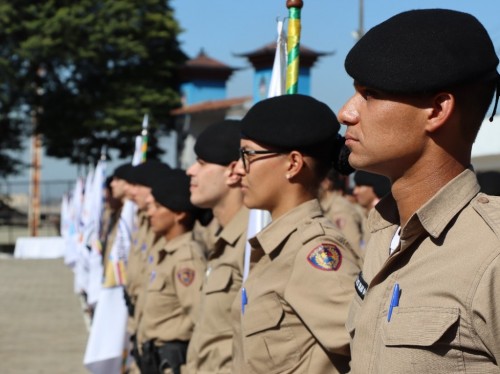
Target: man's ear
x=232, y=178
x=442, y=108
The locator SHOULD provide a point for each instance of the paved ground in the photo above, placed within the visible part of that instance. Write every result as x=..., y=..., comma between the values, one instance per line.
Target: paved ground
x=42, y=330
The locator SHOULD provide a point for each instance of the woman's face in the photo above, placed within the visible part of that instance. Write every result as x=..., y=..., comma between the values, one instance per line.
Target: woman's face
x=262, y=176
x=161, y=218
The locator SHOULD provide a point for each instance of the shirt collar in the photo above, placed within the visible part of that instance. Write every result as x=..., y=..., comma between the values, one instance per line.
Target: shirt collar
x=436, y=213
x=177, y=242
x=235, y=227
x=277, y=231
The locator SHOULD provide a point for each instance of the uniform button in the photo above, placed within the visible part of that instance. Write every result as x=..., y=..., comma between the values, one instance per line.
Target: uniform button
x=483, y=200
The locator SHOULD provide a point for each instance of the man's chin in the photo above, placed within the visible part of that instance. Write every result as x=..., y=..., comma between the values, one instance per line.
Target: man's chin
x=200, y=203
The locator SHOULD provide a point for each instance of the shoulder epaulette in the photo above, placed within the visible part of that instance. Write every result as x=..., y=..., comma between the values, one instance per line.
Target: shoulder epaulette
x=488, y=207
x=309, y=230
x=185, y=253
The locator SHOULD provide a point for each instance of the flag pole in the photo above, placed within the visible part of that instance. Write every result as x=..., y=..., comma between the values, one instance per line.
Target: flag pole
x=144, y=133
x=292, y=71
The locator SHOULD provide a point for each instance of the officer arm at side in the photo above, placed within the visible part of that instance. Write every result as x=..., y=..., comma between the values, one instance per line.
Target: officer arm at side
x=486, y=309
x=188, y=281
x=322, y=297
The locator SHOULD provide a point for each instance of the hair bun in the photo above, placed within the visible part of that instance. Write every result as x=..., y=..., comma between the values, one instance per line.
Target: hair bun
x=341, y=157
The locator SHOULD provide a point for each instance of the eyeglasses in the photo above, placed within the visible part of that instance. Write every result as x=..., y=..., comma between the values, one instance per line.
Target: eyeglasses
x=244, y=153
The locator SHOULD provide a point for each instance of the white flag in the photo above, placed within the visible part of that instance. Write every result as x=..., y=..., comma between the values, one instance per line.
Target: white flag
x=81, y=268
x=95, y=259
x=107, y=343
x=64, y=224
x=277, y=86
x=105, y=347
x=71, y=242
x=258, y=219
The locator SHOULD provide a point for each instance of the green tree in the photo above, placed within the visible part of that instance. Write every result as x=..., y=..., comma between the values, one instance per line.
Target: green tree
x=88, y=71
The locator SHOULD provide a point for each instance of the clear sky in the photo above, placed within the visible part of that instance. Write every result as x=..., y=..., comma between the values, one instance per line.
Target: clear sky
x=227, y=27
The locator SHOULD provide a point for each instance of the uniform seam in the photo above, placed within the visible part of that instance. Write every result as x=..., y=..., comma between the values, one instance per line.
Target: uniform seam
x=479, y=276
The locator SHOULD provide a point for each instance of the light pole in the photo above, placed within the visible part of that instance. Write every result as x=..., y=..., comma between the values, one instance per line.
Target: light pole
x=36, y=154
x=357, y=34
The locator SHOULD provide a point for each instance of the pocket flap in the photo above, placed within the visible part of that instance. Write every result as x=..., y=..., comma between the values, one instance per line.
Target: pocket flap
x=263, y=313
x=157, y=284
x=422, y=326
x=218, y=279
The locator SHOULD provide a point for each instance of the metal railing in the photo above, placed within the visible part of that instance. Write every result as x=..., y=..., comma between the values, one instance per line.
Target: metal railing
x=15, y=209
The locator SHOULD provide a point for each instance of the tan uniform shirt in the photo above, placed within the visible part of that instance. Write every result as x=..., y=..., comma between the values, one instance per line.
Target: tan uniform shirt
x=137, y=256
x=298, y=296
x=347, y=218
x=206, y=234
x=210, y=349
x=447, y=267
x=173, y=293
x=152, y=257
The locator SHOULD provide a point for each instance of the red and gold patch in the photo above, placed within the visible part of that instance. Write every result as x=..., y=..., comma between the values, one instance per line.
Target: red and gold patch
x=326, y=257
x=186, y=276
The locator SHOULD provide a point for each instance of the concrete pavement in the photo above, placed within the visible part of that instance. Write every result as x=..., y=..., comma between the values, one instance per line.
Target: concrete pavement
x=42, y=329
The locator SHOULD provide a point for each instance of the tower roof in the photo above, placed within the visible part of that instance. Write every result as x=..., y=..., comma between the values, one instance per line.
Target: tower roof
x=264, y=57
x=205, y=67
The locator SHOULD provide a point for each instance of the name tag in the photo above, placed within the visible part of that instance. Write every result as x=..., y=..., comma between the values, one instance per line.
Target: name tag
x=360, y=285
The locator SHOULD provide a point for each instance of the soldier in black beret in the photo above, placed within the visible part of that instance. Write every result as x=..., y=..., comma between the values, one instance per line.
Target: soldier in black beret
x=215, y=186
x=145, y=173
x=122, y=171
x=121, y=176
x=172, y=296
x=120, y=191
x=140, y=180
x=303, y=267
x=219, y=142
x=424, y=80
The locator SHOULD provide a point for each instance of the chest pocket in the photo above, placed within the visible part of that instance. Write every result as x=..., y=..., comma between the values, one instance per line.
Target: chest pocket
x=157, y=285
x=269, y=342
x=423, y=340
x=219, y=280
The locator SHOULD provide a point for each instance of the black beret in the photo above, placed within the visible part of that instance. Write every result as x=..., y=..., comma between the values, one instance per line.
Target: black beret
x=489, y=182
x=423, y=51
x=381, y=185
x=123, y=171
x=171, y=189
x=219, y=143
x=147, y=172
x=290, y=122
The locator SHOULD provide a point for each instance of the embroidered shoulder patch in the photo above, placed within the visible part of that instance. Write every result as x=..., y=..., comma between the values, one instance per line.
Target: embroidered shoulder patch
x=186, y=276
x=325, y=256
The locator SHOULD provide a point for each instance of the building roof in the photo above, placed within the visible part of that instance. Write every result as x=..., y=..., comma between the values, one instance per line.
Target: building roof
x=205, y=67
x=264, y=57
x=210, y=105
